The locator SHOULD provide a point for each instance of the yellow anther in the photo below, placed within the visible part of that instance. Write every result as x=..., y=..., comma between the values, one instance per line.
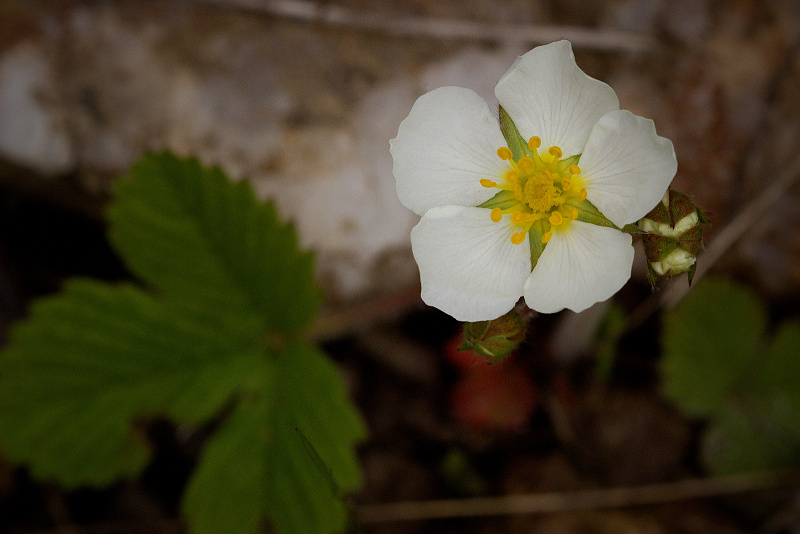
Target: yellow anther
x=511, y=177
x=485, y=182
x=566, y=183
x=517, y=237
x=534, y=143
x=525, y=164
x=555, y=152
x=496, y=215
x=516, y=217
x=504, y=153
x=528, y=217
x=582, y=195
x=556, y=218
x=573, y=214
x=518, y=192
x=574, y=169
x=546, y=237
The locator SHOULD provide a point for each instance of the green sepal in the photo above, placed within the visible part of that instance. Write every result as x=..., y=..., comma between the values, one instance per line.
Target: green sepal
x=679, y=206
x=690, y=273
x=535, y=238
x=652, y=276
x=494, y=339
x=691, y=240
x=518, y=145
x=503, y=200
x=568, y=162
x=589, y=214
x=632, y=229
x=657, y=247
x=660, y=214
x=703, y=216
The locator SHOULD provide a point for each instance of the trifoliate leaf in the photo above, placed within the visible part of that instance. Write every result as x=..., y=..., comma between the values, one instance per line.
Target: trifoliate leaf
x=226, y=294
x=189, y=232
x=262, y=455
x=710, y=341
x=92, y=361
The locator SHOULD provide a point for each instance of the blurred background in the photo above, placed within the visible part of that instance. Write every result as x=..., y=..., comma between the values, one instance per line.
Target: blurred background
x=300, y=98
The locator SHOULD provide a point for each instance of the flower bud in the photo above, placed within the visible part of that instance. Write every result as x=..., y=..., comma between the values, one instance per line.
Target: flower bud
x=494, y=339
x=673, y=236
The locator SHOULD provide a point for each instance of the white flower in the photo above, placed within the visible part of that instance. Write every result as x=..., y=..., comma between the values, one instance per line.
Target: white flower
x=487, y=213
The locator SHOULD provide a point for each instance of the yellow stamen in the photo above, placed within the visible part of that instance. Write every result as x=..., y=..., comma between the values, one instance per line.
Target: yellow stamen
x=485, y=182
x=573, y=214
x=582, y=195
x=525, y=164
x=547, y=237
x=555, y=152
x=566, y=183
x=512, y=177
x=517, y=217
x=517, y=237
x=556, y=218
x=574, y=169
x=534, y=143
x=496, y=215
x=518, y=192
x=504, y=153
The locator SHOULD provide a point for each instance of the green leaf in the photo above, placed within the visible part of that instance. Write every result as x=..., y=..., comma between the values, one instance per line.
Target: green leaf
x=779, y=370
x=260, y=458
x=90, y=362
x=189, y=232
x=216, y=328
x=754, y=433
x=760, y=429
x=710, y=341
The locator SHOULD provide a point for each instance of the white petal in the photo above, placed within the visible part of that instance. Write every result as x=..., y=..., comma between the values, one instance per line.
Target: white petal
x=467, y=264
x=547, y=95
x=580, y=266
x=444, y=147
x=626, y=166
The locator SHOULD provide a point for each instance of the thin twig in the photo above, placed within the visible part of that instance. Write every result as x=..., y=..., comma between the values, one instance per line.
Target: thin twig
x=437, y=28
x=548, y=503
x=345, y=320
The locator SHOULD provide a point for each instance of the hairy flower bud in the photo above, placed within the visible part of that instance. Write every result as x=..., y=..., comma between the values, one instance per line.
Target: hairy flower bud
x=494, y=339
x=673, y=236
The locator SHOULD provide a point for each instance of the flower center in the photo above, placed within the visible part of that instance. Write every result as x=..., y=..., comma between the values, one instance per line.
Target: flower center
x=540, y=192
x=544, y=187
